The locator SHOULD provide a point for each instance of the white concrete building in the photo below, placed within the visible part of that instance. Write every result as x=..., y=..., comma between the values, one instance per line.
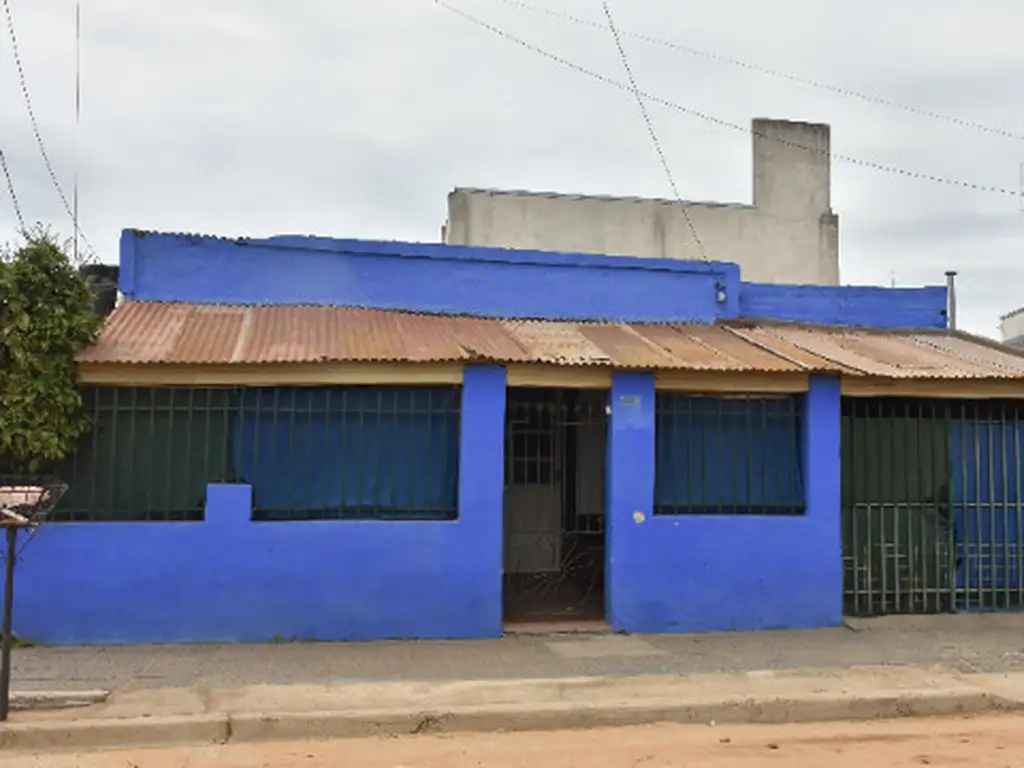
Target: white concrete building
x=788, y=234
x=1012, y=328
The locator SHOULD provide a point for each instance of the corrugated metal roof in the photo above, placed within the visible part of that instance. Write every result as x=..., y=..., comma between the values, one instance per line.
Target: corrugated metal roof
x=148, y=333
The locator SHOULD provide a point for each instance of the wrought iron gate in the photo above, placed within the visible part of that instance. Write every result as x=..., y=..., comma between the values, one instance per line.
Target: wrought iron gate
x=554, y=497
x=932, y=506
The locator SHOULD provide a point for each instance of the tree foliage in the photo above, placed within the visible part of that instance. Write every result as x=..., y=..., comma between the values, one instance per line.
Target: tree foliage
x=46, y=319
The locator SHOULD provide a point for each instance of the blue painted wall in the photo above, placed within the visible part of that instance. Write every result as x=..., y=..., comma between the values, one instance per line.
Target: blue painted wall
x=425, y=278
x=695, y=573
x=491, y=282
x=845, y=305
x=229, y=579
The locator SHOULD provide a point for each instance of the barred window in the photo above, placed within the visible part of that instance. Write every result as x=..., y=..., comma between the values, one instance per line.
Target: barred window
x=149, y=455
x=349, y=453
x=370, y=453
x=728, y=455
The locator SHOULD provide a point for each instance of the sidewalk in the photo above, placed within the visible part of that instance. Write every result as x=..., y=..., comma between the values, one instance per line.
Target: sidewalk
x=884, y=668
x=967, y=643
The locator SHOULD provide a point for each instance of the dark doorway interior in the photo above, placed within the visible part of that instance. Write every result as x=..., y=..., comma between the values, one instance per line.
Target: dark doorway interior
x=554, y=531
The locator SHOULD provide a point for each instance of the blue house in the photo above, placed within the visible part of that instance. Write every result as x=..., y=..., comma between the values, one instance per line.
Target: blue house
x=347, y=440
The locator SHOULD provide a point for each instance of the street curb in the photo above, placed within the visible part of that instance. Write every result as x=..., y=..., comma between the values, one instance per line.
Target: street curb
x=219, y=728
x=73, y=735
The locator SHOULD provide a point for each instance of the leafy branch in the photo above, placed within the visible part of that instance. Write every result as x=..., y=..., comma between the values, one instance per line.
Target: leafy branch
x=46, y=319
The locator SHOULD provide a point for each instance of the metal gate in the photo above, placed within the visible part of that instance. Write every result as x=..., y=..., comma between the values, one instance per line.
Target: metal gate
x=554, y=502
x=931, y=506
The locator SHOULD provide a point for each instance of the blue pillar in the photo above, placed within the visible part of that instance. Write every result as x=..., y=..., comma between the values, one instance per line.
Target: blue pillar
x=482, y=488
x=629, y=500
x=822, y=466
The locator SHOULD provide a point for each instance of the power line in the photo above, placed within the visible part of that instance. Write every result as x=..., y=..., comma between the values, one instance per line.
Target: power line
x=776, y=73
x=11, y=190
x=26, y=95
x=654, y=99
x=650, y=126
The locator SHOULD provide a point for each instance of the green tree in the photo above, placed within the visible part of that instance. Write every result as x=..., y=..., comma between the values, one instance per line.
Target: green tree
x=46, y=319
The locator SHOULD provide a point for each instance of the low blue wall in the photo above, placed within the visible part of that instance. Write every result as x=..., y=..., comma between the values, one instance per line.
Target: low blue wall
x=873, y=307
x=425, y=278
x=230, y=579
x=697, y=573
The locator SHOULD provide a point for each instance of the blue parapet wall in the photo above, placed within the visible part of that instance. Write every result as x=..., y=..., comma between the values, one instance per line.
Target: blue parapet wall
x=493, y=282
x=429, y=278
x=234, y=580
x=864, y=306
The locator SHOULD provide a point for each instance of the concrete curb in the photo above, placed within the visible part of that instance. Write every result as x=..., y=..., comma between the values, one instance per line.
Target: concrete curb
x=221, y=728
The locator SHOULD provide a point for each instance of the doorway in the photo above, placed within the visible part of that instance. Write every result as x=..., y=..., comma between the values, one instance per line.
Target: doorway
x=554, y=509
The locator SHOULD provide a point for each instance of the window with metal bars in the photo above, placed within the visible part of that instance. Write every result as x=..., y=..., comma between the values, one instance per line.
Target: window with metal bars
x=349, y=453
x=728, y=455
x=149, y=455
x=369, y=453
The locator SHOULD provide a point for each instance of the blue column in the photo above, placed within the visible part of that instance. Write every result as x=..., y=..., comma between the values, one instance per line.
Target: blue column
x=822, y=466
x=482, y=491
x=629, y=501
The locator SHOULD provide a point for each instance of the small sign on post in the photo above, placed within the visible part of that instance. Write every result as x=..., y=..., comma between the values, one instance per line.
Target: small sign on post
x=24, y=504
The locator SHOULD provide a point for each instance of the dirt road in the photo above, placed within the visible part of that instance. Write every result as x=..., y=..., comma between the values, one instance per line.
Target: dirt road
x=992, y=742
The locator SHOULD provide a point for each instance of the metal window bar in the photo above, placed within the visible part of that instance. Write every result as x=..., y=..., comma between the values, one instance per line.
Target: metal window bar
x=728, y=455
x=148, y=456
x=932, y=506
x=350, y=453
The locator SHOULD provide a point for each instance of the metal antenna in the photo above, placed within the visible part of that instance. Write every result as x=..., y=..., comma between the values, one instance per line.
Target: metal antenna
x=78, y=119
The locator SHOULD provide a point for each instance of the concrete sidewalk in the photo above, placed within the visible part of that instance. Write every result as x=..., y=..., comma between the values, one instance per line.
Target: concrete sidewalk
x=967, y=643
x=214, y=694
x=297, y=712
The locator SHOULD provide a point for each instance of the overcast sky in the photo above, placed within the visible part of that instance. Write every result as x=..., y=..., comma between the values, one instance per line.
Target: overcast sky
x=353, y=118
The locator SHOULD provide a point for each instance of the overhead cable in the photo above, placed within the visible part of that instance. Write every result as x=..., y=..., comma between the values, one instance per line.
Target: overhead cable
x=655, y=99
x=12, y=191
x=772, y=72
x=27, y=97
x=650, y=126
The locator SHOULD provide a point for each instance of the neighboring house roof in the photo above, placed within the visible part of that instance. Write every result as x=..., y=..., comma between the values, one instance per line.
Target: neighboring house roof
x=145, y=333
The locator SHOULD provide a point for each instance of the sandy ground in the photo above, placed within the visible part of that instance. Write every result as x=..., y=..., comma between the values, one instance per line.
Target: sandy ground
x=995, y=741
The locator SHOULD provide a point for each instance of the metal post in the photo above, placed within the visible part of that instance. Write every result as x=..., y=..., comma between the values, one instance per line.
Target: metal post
x=951, y=299
x=7, y=640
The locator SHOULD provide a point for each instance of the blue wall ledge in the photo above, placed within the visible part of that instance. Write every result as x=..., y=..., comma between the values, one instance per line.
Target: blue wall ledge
x=846, y=305
x=493, y=282
x=430, y=278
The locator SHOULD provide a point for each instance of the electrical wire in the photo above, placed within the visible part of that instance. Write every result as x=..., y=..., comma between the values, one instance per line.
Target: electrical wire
x=650, y=126
x=11, y=191
x=776, y=73
x=655, y=99
x=27, y=97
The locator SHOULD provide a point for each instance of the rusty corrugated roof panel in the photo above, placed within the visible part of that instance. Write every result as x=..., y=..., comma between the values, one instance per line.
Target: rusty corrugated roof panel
x=143, y=332
x=890, y=354
x=557, y=343
x=149, y=332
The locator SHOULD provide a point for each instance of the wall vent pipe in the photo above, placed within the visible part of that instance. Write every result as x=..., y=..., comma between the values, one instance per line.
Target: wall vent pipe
x=951, y=299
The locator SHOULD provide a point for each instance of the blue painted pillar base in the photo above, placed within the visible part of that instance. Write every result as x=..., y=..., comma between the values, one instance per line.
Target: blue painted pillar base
x=822, y=465
x=482, y=491
x=629, y=497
